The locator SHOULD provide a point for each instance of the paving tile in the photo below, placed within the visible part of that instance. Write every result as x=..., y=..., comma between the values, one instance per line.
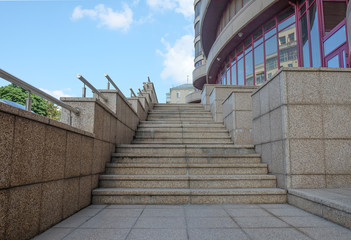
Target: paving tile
x=289, y=212
x=54, y=234
x=163, y=206
x=88, y=212
x=98, y=206
x=276, y=234
x=308, y=222
x=163, y=213
x=110, y=222
x=205, y=212
x=279, y=206
x=121, y=212
x=161, y=222
x=248, y=212
x=72, y=222
x=127, y=206
x=212, y=234
x=229, y=206
x=94, y=234
x=335, y=233
x=211, y=222
x=259, y=222
x=157, y=234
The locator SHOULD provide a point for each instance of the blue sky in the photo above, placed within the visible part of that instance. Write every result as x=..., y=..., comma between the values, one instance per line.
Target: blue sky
x=47, y=43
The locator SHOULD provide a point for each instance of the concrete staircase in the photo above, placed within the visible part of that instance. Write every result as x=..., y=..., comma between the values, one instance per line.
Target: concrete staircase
x=180, y=155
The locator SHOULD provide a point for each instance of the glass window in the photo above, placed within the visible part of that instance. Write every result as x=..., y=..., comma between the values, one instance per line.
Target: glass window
x=232, y=9
x=258, y=42
x=241, y=72
x=198, y=49
x=259, y=64
x=246, y=2
x=197, y=29
x=286, y=23
x=234, y=73
x=334, y=12
x=271, y=56
x=269, y=25
x=197, y=9
x=334, y=62
x=344, y=58
x=238, y=5
x=314, y=34
x=288, y=48
x=178, y=94
x=257, y=34
x=338, y=38
x=270, y=33
x=304, y=42
x=284, y=15
x=249, y=69
x=228, y=76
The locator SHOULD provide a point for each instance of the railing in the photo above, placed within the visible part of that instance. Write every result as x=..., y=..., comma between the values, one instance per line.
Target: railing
x=31, y=89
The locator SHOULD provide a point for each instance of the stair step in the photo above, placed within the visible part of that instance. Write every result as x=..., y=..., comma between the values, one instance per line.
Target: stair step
x=182, y=169
x=187, y=181
x=212, y=141
x=180, y=135
x=141, y=158
x=185, y=196
x=181, y=149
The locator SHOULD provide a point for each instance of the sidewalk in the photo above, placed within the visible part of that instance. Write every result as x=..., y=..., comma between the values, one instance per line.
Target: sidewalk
x=195, y=222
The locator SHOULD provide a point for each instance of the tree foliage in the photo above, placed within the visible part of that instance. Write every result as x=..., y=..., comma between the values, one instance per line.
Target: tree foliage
x=39, y=105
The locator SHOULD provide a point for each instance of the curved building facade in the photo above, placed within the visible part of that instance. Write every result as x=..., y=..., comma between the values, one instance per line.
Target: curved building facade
x=245, y=42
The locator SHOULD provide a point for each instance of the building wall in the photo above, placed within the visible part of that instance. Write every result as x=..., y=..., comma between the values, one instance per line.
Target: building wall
x=302, y=127
x=178, y=95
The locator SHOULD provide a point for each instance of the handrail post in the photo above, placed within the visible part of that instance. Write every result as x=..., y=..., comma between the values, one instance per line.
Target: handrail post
x=80, y=77
x=141, y=94
x=111, y=81
x=132, y=92
x=29, y=102
x=84, y=91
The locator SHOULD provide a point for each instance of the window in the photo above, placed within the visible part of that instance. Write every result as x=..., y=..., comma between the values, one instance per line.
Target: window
x=197, y=29
x=282, y=40
x=334, y=13
x=197, y=9
x=178, y=94
x=198, y=49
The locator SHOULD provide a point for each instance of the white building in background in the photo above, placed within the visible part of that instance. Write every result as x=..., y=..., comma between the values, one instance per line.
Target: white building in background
x=177, y=94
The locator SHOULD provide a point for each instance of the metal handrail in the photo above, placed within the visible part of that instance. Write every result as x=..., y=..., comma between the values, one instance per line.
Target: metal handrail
x=111, y=81
x=132, y=93
x=7, y=76
x=80, y=77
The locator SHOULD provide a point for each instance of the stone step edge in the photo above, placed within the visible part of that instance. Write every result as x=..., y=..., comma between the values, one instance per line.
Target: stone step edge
x=188, y=146
x=187, y=192
x=331, y=203
x=181, y=130
x=181, y=165
x=186, y=177
x=252, y=155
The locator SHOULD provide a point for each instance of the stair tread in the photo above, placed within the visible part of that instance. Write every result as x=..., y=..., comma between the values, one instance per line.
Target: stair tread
x=186, y=177
x=180, y=165
x=194, y=191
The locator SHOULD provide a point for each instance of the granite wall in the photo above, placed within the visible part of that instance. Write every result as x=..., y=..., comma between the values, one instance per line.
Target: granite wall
x=49, y=168
x=237, y=114
x=302, y=127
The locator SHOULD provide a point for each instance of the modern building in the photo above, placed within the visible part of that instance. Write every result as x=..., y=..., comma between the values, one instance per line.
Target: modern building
x=177, y=94
x=243, y=42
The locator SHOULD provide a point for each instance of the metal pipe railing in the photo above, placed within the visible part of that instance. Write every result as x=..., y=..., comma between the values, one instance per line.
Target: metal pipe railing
x=111, y=81
x=80, y=77
x=141, y=94
x=132, y=93
x=31, y=89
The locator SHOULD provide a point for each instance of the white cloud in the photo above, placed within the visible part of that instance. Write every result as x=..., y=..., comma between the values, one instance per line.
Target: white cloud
x=178, y=59
x=185, y=7
x=56, y=93
x=106, y=16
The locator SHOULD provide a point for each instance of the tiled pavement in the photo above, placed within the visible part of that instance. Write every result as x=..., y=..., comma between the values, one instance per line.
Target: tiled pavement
x=195, y=222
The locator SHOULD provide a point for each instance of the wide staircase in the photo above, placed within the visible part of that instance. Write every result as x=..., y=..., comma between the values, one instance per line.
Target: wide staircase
x=179, y=156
